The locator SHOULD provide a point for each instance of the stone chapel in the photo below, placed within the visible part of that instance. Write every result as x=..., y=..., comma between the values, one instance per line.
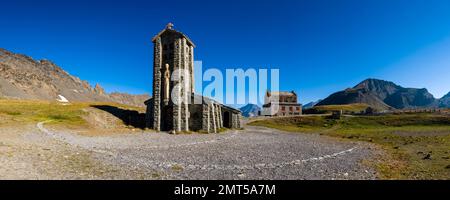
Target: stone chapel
x=174, y=51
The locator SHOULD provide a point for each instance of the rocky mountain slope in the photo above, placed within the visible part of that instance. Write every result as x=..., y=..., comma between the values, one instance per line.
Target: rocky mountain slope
x=21, y=77
x=384, y=95
x=250, y=110
x=129, y=99
x=311, y=104
x=444, y=102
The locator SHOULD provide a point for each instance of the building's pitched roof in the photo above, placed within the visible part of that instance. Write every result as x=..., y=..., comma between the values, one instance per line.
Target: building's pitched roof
x=231, y=108
x=281, y=104
x=282, y=93
x=209, y=100
x=170, y=29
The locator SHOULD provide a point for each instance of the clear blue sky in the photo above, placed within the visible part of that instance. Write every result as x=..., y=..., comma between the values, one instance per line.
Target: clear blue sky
x=320, y=46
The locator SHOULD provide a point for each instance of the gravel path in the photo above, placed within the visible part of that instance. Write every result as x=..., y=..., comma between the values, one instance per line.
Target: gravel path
x=254, y=153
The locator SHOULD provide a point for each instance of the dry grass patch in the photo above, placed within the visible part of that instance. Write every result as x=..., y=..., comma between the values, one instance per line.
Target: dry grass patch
x=71, y=116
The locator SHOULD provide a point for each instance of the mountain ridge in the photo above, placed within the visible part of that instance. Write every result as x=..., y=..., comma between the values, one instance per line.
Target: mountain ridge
x=22, y=77
x=250, y=110
x=311, y=104
x=385, y=95
x=445, y=101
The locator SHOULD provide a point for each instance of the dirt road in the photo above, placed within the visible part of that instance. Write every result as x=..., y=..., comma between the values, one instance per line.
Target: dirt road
x=40, y=152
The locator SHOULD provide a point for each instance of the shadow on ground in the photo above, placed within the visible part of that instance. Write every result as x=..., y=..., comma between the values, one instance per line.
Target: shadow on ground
x=129, y=117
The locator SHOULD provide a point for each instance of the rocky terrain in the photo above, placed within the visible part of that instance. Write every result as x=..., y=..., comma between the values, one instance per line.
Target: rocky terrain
x=129, y=99
x=385, y=95
x=22, y=77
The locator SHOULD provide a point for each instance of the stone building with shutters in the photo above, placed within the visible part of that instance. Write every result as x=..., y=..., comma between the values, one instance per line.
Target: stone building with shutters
x=174, y=52
x=281, y=104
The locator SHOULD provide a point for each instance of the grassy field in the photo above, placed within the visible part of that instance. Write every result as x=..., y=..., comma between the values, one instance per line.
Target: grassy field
x=13, y=112
x=349, y=108
x=418, y=145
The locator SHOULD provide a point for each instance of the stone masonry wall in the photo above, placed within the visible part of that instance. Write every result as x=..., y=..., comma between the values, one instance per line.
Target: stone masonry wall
x=177, y=107
x=185, y=91
x=205, y=117
x=238, y=123
x=157, y=85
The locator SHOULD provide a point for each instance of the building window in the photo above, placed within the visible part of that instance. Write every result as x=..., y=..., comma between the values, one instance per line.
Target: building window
x=298, y=108
x=283, y=108
x=291, y=109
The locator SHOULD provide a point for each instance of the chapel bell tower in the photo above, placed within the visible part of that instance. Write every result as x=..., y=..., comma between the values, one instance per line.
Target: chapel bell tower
x=172, y=50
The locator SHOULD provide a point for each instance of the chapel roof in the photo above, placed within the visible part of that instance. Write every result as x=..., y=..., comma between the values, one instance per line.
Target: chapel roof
x=169, y=28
